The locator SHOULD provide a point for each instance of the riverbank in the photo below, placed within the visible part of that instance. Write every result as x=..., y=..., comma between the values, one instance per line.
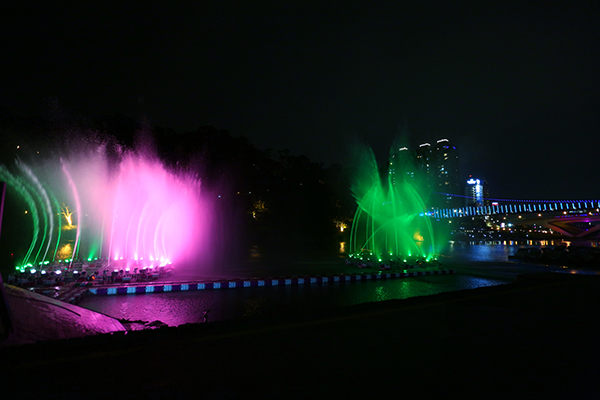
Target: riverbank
x=536, y=338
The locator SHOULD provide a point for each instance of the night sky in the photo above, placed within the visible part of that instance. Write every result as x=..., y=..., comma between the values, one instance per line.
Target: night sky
x=515, y=85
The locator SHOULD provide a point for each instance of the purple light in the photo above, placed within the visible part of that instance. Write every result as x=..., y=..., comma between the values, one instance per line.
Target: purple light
x=128, y=209
x=138, y=210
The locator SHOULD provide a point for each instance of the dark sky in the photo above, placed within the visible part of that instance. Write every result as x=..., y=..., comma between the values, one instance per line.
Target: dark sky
x=514, y=84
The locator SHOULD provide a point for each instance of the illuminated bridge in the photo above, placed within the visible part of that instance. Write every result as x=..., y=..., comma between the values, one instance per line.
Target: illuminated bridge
x=517, y=207
x=573, y=218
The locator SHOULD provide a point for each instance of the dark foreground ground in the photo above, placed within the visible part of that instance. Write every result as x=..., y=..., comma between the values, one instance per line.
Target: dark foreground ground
x=539, y=338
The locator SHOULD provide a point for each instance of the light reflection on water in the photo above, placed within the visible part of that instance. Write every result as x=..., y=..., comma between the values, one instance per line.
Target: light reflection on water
x=488, y=261
x=188, y=307
x=498, y=251
x=465, y=252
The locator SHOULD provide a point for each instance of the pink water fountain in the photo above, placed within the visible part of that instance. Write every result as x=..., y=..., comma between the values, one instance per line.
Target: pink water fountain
x=135, y=214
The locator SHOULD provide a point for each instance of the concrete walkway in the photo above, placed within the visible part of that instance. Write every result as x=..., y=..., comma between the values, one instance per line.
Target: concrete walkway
x=538, y=338
x=37, y=318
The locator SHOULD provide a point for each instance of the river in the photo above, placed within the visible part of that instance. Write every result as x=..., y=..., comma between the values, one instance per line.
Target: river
x=476, y=264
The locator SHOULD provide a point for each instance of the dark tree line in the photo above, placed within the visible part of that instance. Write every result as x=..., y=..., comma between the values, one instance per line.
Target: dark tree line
x=287, y=201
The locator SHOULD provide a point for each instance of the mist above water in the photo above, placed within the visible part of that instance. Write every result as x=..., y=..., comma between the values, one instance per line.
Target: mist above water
x=93, y=200
x=391, y=220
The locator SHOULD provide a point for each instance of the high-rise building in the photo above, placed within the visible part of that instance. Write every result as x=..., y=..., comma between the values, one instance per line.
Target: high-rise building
x=474, y=193
x=435, y=167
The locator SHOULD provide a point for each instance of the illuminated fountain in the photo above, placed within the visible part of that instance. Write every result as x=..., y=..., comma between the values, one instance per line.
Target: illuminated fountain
x=391, y=224
x=133, y=212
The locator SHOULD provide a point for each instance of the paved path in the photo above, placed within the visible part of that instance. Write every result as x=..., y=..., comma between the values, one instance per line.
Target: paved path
x=533, y=339
x=36, y=317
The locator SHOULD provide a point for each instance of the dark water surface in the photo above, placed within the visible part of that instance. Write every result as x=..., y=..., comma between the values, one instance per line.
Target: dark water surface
x=188, y=307
x=477, y=265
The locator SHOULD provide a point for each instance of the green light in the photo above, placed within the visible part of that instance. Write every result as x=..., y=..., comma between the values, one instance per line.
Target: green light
x=389, y=203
